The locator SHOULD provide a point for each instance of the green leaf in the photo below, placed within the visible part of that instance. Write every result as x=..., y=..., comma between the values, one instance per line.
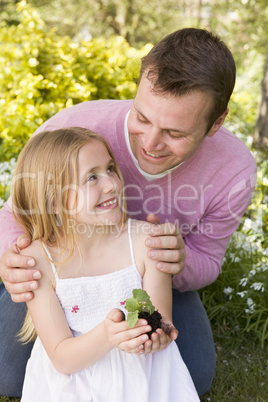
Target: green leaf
x=132, y=318
x=149, y=308
x=132, y=305
x=141, y=295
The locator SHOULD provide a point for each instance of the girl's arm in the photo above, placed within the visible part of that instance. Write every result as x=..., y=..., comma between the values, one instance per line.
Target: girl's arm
x=67, y=353
x=158, y=285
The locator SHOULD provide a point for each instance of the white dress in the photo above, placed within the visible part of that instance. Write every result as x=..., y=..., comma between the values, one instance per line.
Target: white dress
x=118, y=376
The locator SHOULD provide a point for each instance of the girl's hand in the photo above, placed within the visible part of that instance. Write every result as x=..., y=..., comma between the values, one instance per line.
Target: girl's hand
x=121, y=336
x=167, y=246
x=161, y=338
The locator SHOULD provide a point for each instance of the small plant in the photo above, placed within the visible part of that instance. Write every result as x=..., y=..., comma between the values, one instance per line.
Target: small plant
x=140, y=306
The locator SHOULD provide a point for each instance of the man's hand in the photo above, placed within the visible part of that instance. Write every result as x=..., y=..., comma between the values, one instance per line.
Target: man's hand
x=161, y=338
x=19, y=282
x=167, y=244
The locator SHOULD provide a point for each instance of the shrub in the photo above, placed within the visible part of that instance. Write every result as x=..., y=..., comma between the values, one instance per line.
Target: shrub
x=6, y=171
x=237, y=302
x=42, y=72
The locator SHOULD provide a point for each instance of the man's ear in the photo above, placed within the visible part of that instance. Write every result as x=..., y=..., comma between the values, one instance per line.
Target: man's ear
x=218, y=123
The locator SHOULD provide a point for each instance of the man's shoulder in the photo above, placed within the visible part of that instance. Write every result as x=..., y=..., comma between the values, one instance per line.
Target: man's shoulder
x=226, y=138
x=89, y=114
x=96, y=106
x=230, y=148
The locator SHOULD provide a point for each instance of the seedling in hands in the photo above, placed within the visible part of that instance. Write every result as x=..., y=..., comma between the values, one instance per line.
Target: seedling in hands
x=140, y=306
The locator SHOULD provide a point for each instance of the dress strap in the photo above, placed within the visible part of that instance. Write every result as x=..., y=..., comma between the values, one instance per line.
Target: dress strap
x=52, y=265
x=130, y=241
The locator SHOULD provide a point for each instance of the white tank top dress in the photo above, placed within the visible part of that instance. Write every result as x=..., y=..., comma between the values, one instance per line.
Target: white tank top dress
x=118, y=376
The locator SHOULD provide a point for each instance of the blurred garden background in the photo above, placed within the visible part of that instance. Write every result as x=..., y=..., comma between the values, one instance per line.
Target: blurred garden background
x=54, y=54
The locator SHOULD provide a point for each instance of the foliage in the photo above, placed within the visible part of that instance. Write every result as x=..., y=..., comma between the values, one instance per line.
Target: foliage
x=237, y=302
x=42, y=72
x=138, y=22
x=7, y=399
x=140, y=302
x=6, y=171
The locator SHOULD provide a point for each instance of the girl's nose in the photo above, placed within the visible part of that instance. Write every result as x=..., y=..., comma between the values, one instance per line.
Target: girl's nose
x=109, y=183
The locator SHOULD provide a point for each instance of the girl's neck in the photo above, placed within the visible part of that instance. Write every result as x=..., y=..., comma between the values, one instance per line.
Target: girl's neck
x=99, y=252
x=94, y=235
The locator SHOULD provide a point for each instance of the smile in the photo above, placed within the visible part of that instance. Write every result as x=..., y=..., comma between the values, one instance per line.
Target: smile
x=108, y=203
x=153, y=155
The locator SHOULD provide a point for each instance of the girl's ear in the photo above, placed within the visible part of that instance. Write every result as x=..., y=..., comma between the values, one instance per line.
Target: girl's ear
x=59, y=222
x=56, y=214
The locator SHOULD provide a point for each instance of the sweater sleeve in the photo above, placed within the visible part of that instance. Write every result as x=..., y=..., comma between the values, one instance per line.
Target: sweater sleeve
x=206, y=244
x=10, y=230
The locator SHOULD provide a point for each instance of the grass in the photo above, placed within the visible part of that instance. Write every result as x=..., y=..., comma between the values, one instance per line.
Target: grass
x=241, y=374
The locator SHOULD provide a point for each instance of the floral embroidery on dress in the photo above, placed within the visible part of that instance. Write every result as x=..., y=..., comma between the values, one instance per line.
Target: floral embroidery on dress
x=75, y=309
x=123, y=302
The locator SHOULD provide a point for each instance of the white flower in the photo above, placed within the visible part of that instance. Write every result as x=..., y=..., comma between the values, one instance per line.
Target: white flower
x=252, y=272
x=242, y=294
x=251, y=304
x=265, y=251
x=228, y=290
x=264, y=267
x=243, y=281
x=257, y=286
x=248, y=223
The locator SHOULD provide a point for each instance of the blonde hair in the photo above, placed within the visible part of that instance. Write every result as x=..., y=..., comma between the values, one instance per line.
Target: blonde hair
x=46, y=167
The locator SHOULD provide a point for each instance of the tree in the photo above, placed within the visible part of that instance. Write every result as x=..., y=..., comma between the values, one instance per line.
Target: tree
x=261, y=129
x=137, y=21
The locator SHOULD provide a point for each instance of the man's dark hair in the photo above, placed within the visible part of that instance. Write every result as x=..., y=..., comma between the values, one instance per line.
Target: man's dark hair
x=192, y=60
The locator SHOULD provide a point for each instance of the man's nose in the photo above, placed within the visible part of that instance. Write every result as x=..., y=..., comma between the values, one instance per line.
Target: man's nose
x=153, y=139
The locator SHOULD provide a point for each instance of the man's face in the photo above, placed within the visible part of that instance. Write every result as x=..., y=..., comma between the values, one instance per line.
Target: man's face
x=166, y=130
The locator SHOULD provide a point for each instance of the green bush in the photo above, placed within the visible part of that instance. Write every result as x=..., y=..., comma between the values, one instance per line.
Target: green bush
x=42, y=73
x=237, y=302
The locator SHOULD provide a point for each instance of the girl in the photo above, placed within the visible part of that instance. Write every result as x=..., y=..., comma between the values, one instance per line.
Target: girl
x=67, y=193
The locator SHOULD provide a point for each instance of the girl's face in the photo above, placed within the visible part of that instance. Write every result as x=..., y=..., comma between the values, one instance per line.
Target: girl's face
x=98, y=194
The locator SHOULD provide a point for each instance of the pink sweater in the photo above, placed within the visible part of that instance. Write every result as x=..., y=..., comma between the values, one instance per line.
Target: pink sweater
x=206, y=196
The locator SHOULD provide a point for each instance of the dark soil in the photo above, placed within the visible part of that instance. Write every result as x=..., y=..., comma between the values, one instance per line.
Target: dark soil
x=153, y=319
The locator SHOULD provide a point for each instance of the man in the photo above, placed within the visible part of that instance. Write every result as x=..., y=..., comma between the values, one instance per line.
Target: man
x=178, y=163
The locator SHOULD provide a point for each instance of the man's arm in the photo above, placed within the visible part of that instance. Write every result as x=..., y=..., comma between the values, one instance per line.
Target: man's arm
x=206, y=244
x=18, y=282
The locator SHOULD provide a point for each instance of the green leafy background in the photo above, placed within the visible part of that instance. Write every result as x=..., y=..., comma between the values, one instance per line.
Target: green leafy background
x=43, y=71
